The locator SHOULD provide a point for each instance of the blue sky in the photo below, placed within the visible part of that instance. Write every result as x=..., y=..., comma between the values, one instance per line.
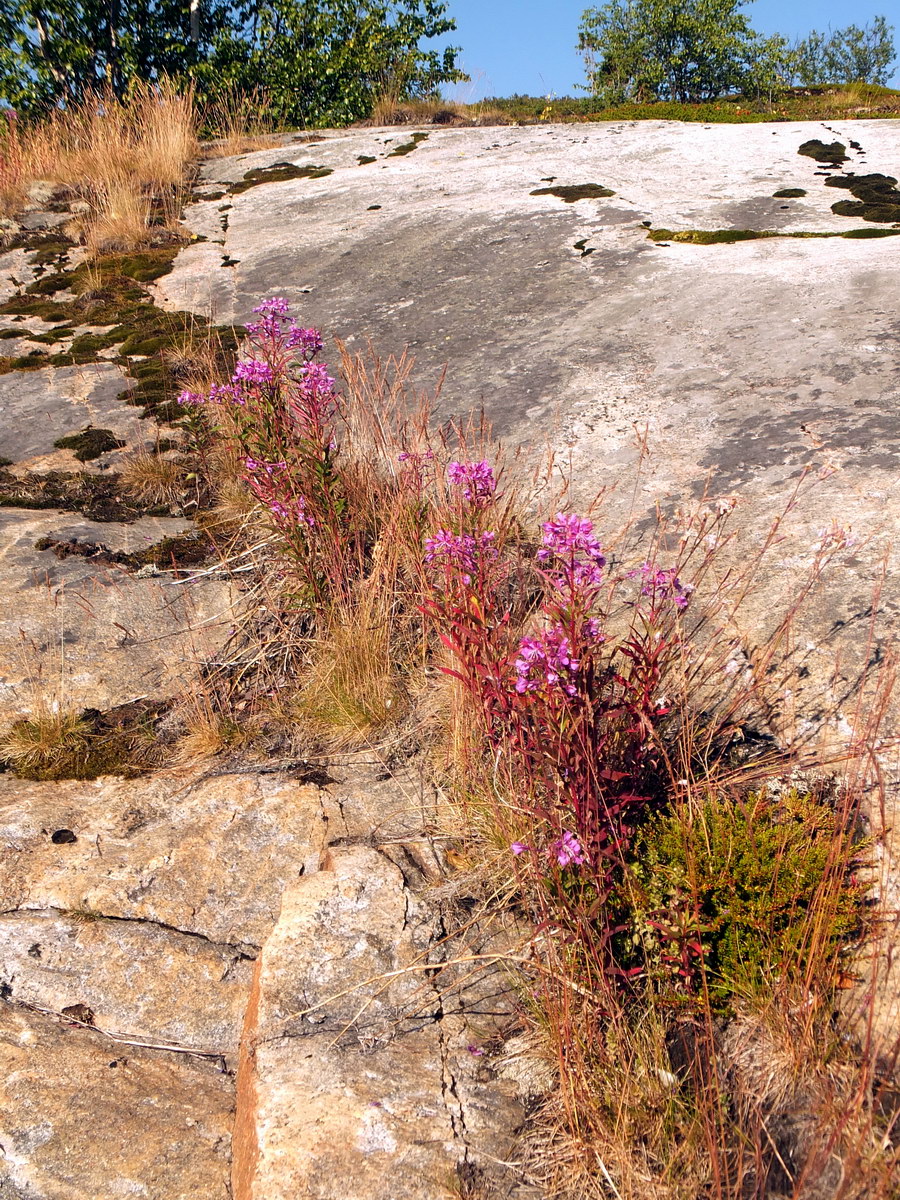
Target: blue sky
x=529, y=45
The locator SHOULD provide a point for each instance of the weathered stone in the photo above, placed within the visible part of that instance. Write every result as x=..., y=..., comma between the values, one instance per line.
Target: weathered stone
x=83, y=1117
x=354, y=1080
x=206, y=855
x=138, y=980
x=77, y=634
x=39, y=406
x=42, y=191
x=39, y=220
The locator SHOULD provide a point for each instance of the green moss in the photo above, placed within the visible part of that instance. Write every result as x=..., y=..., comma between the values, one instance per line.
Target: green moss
x=47, y=310
x=407, y=147
x=869, y=233
x=789, y=194
x=877, y=197
x=33, y=361
x=365, y=159
x=278, y=173
x=712, y=237
x=97, y=496
x=834, y=153
x=752, y=884
x=90, y=443
x=579, y=191
x=49, y=285
x=49, y=249
x=48, y=339
x=13, y=333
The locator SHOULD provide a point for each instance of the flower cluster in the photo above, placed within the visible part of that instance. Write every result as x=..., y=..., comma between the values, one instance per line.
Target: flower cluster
x=550, y=661
x=475, y=481
x=663, y=584
x=276, y=327
x=254, y=372
x=571, y=555
x=546, y=661
x=568, y=850
x=460, y=551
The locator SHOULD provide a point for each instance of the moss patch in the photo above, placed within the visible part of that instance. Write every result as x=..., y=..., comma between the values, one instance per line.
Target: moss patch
x=578, y=191
x=407, y=147
x=114, y=293
x=712, y=237
x=190, y=549
x=90, y=443
x=365, y=159
x=98, y=497
x=789, y=193
x=833, y=153
x=877, y=197
x=278, y=173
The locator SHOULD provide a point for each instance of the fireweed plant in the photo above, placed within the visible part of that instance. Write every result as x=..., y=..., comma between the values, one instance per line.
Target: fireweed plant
x=569, y=713
x=284, y=407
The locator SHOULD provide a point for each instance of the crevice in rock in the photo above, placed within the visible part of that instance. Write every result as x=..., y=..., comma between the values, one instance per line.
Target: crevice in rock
x=243, y=951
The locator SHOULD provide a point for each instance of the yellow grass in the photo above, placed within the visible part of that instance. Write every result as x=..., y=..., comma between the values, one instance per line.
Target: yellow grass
x=127, y=159
x=238, y=122
x=151, y=478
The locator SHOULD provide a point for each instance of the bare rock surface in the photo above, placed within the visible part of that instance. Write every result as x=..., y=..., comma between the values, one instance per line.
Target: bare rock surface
x=85, y=1118
x=170, y=915
x=362, y=1074
x=206, y=855
x=131, y=978
x=79, y=634
x=37, y=407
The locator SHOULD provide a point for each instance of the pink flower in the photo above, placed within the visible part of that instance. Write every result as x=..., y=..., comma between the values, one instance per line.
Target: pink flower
x=518, y=848
x=475, y=481
x=460, y=551
x=316, y=380
x=573, y=557
x=274, y=306
x=568, y=850
x=663, y=584
x=309, y=341
x=546, y=661
x=253, y=371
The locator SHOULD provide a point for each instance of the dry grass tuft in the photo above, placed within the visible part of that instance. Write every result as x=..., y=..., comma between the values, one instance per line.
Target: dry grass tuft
x=152, y=479
x=237, y=122
x=127, y=159
x=387, y=110
x=210, y=727
x=46, y=740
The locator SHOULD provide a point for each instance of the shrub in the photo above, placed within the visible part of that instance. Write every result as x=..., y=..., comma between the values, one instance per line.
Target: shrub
x=743, y=890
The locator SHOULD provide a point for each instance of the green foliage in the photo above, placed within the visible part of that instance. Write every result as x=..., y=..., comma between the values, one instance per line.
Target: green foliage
x=851, y=55
x=696, y=50
x=327, y=61
x=318, y=61
x=682, y=50
x=745, y=892
x=58, y=51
